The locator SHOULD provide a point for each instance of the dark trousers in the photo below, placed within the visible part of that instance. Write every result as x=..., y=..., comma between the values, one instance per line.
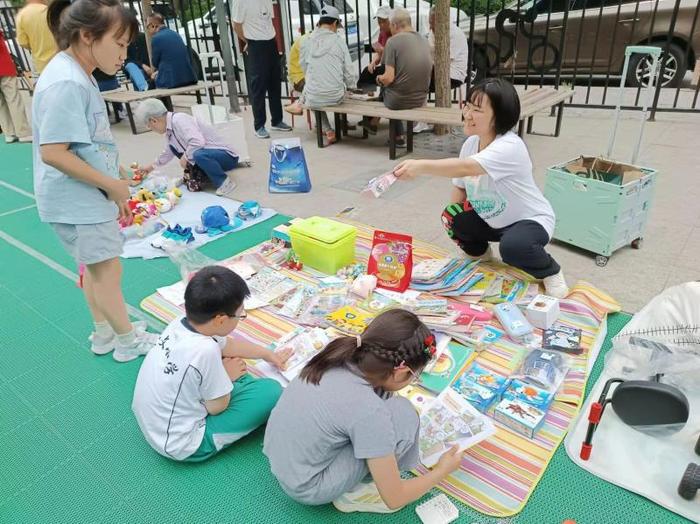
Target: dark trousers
x=521, y=244
x=264, y=78
x=368, y=79
x=454, y=84
x=215, y=163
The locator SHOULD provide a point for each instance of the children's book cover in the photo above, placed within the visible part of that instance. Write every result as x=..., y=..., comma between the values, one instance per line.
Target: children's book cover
x=350, y=320
x=538, y=397
x=419, y=397
x=519, y=416
x=376, y=303
x=304, y=346
x=448, y=365
x=450, y=420
x=562, y=338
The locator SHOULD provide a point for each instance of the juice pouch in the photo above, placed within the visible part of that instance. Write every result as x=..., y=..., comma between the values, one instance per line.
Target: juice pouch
x=391, y=260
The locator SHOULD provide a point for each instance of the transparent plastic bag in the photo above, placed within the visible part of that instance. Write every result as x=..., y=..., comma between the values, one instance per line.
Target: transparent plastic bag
x=188, y=260
x=544, y=368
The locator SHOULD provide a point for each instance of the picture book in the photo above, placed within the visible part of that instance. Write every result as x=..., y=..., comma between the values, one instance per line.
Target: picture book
x=562, y=338
x=349, y=320
x=376, y=303
x=419, y=397
x=305, y=346
x=450, y=420
x=448, y=365
x=430, y=269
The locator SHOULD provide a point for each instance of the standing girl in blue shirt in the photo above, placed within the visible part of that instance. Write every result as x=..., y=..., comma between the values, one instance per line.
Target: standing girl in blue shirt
x=76, y=163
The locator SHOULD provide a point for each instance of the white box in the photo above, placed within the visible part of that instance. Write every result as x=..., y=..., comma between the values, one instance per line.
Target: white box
x=543, y=311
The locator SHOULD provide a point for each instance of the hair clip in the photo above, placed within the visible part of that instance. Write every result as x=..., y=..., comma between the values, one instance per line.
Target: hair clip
x=430, y=348
x=358, y=340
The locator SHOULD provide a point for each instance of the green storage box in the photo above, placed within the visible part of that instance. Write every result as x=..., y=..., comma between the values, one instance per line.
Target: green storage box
x=323, y=244
x=604, y=212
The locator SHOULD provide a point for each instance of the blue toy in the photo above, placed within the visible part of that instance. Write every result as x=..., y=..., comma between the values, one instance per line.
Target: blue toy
x=179, y=234
x=249, y=209
x=216, y=221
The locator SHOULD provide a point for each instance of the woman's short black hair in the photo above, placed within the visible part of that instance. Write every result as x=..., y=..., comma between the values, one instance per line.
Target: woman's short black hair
x=504, y=101
x=214, y=290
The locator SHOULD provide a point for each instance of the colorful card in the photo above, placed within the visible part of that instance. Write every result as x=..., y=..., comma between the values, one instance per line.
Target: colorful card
x=562, y=338
x=450, y=420
x=519, y=416
x=349, y=320
x=449, y=364
x=538, y=397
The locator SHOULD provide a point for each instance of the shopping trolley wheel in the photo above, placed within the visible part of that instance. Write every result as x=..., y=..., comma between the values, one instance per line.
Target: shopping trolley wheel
x=601, y=260
x=637, y=243
x=689, y=484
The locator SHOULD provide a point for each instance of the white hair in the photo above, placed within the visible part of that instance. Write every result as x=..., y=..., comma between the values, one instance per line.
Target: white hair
x=400, y=18
x=149, y=108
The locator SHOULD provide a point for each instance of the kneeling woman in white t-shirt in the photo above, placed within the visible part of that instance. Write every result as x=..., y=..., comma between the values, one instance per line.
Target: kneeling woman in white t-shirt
x=495, y=198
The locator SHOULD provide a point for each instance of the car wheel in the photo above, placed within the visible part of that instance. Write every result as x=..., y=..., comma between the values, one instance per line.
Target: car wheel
x=674, y=71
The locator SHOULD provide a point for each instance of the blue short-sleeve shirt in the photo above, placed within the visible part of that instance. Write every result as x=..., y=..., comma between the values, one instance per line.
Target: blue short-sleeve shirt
x=68, y=108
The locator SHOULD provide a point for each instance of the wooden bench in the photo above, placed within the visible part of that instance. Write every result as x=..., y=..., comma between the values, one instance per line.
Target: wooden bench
x=532, y=101
x=127, y=97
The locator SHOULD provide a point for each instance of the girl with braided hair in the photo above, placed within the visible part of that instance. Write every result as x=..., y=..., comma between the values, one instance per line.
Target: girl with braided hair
x=338, y=422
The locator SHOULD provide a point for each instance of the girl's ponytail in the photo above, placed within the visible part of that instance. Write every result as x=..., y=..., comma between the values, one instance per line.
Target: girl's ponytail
x=337, y=353
x=53, y=17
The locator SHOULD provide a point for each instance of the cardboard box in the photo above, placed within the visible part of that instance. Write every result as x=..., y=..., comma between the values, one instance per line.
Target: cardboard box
x=543, y=311
x=519, y=416
x=599, y=168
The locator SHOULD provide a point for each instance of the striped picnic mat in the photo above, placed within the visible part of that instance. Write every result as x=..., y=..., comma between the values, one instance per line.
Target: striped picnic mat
x=497, y=476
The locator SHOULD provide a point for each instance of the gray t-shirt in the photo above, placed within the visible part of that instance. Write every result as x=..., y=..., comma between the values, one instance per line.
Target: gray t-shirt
x=311, y=425
x=409, y=54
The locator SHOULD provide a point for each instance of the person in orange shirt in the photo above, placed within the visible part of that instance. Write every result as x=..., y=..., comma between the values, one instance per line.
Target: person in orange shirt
x=13, y=119
x=34, y=35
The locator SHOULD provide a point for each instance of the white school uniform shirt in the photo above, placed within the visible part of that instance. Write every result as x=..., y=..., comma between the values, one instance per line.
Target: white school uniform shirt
x=507, y=193
x=256, y=17
x=176, y=378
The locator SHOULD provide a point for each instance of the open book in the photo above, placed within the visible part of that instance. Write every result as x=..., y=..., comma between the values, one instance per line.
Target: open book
x=451, y=420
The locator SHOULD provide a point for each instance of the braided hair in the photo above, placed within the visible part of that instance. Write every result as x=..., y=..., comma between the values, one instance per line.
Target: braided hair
x=395, y=337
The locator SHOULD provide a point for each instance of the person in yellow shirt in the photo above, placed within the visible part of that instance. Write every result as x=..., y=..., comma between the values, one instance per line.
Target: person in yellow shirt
x=34, y=35
x=295, y=73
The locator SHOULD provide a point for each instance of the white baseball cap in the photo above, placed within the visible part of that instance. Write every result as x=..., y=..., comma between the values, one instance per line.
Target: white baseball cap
x=384, y=11
x=328, y=11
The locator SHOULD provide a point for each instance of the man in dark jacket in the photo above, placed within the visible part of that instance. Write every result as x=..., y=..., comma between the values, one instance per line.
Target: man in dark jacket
x=171, y=58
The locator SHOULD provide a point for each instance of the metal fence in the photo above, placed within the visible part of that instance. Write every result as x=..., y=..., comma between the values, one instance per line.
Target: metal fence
x=530, y=42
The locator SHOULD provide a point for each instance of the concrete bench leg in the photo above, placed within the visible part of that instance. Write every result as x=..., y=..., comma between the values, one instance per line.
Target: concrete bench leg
x=409, y=137
x=319, y=131
x=130, y=114
x=560, y=112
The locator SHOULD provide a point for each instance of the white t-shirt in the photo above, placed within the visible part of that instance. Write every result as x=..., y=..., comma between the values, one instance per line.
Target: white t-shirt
x=256, y=17
x=507, y=193
x=459, y=52
x=176, y=377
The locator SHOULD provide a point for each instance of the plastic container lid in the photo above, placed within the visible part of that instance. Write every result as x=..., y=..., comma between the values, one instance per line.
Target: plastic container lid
x=322, y=229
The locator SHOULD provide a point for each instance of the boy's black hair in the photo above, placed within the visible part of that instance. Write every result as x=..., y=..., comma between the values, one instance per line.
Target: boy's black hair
x=504, y=101
x=214, y=290
x=327, y=20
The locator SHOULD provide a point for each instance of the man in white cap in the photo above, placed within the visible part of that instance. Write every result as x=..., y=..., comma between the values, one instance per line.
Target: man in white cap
x=369, y=74
x=328, y=69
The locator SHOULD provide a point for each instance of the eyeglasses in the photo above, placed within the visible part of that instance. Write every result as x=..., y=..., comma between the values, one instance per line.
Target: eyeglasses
x=242, y=316
x=416, y=378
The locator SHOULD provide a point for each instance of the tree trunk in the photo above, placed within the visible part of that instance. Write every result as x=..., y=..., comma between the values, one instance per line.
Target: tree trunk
x=145, y=13
x=442, y=58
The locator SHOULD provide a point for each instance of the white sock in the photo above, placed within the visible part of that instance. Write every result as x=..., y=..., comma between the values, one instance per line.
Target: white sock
x=103, y=329
x=127, y=339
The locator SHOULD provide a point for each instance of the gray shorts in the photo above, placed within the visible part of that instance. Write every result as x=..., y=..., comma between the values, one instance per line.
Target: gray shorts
x=91, y=243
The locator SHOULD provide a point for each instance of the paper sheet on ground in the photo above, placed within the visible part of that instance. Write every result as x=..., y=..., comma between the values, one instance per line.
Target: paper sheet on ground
x=188, y=214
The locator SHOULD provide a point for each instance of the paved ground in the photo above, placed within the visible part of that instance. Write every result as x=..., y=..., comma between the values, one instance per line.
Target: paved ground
x=671, y=242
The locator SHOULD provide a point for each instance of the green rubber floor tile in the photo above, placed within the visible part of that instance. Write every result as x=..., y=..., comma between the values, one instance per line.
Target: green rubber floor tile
x=24, y=350
x=16, y=165
x=72, y=494
x=29, y=453
x=99, y=402
x=14, y=412
x=54, y=380
x=11, y=200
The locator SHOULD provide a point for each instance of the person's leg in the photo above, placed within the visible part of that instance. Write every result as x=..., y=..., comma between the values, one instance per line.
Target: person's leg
x=325, y=123
x=13, y=99
x=251, y=402
x=137, y=77
x=367, y=79
x=274, y=85
x=8, y=128
x=215, y=163
x=406, y=429
x=469, y=231
x=522, y=246
x=258, y=72
x=454, y=84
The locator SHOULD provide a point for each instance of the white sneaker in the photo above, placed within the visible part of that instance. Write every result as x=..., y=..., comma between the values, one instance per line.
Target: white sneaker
x=143, y=343
x=422, y=126
x=25, y=139
x=364, y=497
x=555, y=285
x=104, y=345
x=227, y=187
x=10, y=139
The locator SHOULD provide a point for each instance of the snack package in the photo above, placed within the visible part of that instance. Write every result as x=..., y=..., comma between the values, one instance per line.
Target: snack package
x=378, y=185
x=391, y=260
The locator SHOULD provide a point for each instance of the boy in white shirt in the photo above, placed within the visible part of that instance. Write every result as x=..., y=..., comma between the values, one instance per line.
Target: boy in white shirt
x=193, y=396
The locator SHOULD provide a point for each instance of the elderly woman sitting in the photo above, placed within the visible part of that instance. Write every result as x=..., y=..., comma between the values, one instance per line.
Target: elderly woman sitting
x=192, y=141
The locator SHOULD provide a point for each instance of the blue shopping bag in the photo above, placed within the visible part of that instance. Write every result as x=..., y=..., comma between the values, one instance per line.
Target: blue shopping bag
x=288, y=170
